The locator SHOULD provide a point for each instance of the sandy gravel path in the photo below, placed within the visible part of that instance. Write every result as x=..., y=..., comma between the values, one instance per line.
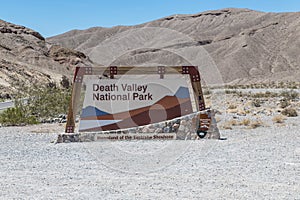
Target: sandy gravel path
x=251, y=164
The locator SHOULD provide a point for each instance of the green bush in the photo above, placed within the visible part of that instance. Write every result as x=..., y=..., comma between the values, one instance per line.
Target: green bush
x=35, y=104
x=45, y=102
x=16, y=116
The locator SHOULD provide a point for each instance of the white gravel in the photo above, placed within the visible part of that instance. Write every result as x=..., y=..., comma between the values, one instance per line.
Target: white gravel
x=263, y=163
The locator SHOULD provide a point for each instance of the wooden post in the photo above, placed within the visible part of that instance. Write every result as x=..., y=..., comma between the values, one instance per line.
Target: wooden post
x=196, y=84
x=75, y=98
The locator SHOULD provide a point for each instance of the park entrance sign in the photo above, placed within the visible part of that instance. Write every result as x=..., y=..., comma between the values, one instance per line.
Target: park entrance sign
x=113, y=100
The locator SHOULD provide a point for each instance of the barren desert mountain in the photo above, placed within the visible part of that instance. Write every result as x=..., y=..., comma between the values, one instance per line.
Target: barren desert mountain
x=235, y=45
x=26, y=58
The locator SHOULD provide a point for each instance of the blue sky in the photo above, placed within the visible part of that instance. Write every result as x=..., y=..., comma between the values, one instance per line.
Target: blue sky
x=52, y=17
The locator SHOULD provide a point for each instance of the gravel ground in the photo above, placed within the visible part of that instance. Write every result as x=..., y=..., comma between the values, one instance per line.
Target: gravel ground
x=250, y=164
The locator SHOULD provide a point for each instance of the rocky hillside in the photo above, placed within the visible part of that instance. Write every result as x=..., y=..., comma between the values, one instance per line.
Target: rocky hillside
x=234, y=45
x=229, y=45
x=26, y=58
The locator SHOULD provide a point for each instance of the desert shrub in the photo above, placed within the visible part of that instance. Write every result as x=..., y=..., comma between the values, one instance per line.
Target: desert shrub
x=240, y=94
x=289, y=95
x=256, y=124
x=231, y=86
x=269, y=94
x=206, y=92
x=232, y=106
x=245, y=122
x=218, y=119
x=258, y=95
x=65, y=82
x=45, y=102
x=278, y=119
x=292, y=85
x=290, y=112
x=256, y=103
x=233, y=122
x=284, y=103
x=35, y=104
x=231, y=92
x=227, y=126
x=16, y=116
x=264, y=94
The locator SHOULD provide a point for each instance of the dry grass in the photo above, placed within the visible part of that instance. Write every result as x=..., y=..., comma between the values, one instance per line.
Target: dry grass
x=245, y=122
x=230, y=124
x=227, y=126
x=256, y=123
x=273, y=84
x=233, y=122
x=232, y=110
x=218, y=119
x=232, y=106
x=278, y=119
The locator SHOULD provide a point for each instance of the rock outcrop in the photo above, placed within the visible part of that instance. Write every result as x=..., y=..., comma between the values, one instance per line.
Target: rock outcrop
x=234, y=46
x=26, y=58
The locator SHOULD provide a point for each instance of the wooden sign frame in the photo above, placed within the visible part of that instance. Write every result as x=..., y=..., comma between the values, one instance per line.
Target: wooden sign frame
x=112, y=71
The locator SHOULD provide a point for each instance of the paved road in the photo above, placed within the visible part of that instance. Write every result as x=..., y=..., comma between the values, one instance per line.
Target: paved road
x=6, y=104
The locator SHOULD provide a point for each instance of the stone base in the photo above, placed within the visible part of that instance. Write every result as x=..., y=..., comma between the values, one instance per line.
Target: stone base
x=183, y=128
x=213, y=131
x=75, y=137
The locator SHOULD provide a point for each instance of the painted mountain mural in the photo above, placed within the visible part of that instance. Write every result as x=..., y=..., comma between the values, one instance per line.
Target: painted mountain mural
x=91, y=111
x=168, y=107
x=182, y=92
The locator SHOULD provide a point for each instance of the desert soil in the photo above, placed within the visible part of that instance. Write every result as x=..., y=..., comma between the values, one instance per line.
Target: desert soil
x=261, y=163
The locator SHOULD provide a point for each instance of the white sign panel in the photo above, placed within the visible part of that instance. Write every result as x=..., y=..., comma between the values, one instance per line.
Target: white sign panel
x=112, y=104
